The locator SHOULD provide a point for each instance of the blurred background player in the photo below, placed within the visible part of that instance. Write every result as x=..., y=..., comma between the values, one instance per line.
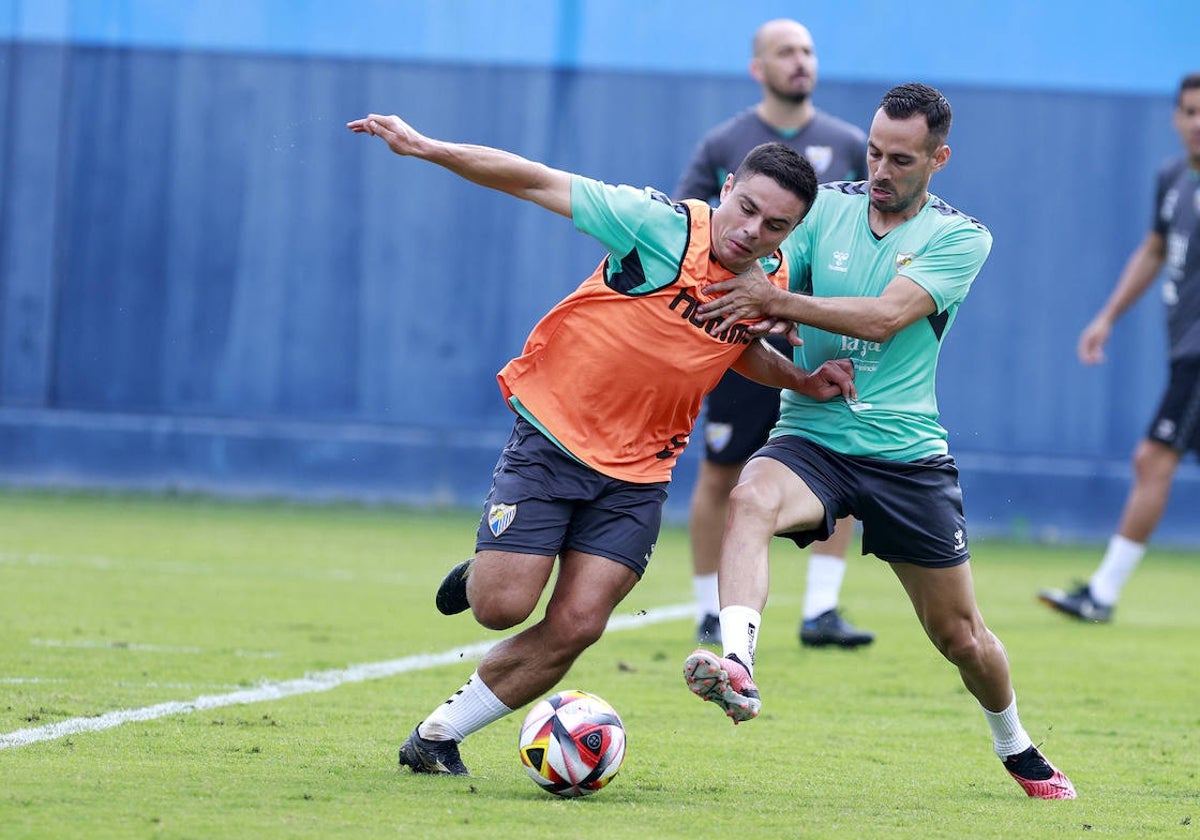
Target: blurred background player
x=739, y=413
x=1174, y=241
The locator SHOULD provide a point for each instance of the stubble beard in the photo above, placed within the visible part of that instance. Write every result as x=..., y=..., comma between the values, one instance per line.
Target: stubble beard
x=791, y=97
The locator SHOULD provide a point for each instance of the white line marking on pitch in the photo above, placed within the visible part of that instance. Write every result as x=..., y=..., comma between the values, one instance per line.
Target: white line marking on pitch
x=141, y=647
x=320, y=681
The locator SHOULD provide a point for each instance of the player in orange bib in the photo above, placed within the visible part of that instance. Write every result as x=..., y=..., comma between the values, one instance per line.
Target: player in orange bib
x=606, y=392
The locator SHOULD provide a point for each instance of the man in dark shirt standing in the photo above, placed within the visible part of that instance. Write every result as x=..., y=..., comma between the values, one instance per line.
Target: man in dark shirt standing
x=1173, y=243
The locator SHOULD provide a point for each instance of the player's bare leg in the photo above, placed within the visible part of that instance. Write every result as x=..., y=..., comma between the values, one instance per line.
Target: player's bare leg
x=707, y=513
x=525, y=666
x=504, y=589
x=768, y=498
x=1154, y=466
x=944, y=600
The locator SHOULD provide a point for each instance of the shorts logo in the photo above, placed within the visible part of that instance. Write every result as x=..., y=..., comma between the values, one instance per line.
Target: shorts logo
x=500, y=517
x=960, y=540
x=1164, y=432
x=718, y=435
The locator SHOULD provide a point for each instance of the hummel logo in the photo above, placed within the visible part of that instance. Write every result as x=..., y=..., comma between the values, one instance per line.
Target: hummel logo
x=960, y=540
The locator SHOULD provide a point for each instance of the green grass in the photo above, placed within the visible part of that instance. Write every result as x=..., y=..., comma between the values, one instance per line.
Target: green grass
x=111, y=602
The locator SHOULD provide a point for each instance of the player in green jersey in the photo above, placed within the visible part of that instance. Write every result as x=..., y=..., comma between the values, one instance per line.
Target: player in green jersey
x=739, y=413
x=878, y=271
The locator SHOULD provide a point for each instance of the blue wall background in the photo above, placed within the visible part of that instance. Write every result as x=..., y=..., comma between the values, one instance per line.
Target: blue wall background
x=207, y=283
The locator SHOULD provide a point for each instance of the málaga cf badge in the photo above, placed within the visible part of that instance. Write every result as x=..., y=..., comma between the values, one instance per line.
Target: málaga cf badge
x=820, y=157
x=500, y=517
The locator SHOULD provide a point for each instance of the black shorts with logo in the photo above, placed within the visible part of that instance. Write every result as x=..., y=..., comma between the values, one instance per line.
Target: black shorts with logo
x=911, y=511
x=544, y=502
x=1177, y=423
x=739, y=414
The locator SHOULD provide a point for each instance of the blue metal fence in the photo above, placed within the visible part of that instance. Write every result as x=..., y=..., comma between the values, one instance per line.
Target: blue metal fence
x=206, y=282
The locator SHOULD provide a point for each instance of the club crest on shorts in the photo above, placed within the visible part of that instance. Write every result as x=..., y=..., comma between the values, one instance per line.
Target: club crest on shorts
x=717, y=435
x=500, y=517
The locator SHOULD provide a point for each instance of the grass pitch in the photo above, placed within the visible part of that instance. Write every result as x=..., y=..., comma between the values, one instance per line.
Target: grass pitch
x=113, y=605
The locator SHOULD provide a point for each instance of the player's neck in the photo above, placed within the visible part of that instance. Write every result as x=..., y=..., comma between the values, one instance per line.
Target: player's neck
x=882, y=223
x=786, y=115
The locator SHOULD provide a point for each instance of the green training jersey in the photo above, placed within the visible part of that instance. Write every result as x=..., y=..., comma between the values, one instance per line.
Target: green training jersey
x=833, y=253
x=646, y=234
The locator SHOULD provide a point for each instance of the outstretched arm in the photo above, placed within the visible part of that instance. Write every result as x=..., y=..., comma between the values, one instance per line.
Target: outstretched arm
x=763, y=363
x=747, y=297
x=493, y=168
x=1139, y=272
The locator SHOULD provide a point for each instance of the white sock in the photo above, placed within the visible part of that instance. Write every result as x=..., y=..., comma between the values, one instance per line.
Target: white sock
x=1121, y=558
x=825, y=573
x=739, y=633
x=707, y=600
x=1008, y=735
x=468, y=710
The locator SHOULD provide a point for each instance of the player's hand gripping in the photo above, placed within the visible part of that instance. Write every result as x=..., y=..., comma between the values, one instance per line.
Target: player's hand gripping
x=746, y=297
x=833, y=378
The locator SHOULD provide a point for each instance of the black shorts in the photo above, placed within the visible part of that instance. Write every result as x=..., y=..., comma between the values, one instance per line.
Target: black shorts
x=911, y=511
x=1177, y=423
x=739, y=415
x=545, y=502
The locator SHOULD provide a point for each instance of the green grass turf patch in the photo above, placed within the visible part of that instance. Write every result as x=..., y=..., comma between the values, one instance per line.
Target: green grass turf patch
x=112, y=603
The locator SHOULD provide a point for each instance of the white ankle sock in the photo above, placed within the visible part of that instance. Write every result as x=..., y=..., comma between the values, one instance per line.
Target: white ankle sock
x=468, y=710
x=1120, y=559
x=739, y=633
x=824, y=585
x=707, y=600
x=1008, y=735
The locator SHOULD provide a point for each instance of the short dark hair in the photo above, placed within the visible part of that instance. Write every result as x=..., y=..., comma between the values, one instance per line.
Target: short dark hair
x=1190, y=81
x=783, y=165
x=902, y=101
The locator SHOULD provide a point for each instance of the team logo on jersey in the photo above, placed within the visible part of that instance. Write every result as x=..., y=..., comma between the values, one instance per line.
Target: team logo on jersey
x=819, y=156
x=1170, y=293
x=718, y=435
x=1167, y=211
x=839, y=261
x=500, y=517
x=903, y=260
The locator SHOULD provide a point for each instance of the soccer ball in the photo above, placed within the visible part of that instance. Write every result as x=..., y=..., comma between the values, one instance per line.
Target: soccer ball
x=572, y=743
